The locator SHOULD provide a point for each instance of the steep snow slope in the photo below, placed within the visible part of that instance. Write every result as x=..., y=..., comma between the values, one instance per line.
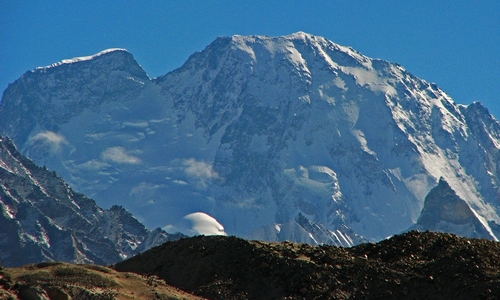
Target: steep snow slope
x=257, y=131
x=324, y=130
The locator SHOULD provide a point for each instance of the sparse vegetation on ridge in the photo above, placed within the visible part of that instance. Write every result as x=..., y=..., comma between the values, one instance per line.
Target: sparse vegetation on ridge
x=56, y=280
x=414, y=265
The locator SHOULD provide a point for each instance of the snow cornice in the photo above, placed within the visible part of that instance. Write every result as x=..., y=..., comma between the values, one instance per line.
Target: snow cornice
x=83, y=58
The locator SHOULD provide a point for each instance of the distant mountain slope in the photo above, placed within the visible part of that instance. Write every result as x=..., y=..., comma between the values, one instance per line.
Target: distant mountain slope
x=409, y=266
x=43, y=219
x=256, y=131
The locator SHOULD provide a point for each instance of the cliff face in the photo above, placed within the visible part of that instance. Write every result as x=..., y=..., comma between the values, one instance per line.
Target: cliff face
x=445, y=211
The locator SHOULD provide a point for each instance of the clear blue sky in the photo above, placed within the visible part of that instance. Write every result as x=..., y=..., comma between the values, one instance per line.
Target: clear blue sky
x=454, y=43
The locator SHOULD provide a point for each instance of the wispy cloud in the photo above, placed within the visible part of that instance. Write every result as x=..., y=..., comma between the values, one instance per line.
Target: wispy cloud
x=145, y=193
x=119, y=155
x=200, y=171
x=51, y=140
x=93, y=164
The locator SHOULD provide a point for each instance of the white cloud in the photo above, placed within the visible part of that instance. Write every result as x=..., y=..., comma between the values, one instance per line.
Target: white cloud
x=51, y=140
x=93, y=164
x=205, y=224
x=145, y=193
x=181, y=182
x=200, y=171
x=196, y=224
x=119, y=155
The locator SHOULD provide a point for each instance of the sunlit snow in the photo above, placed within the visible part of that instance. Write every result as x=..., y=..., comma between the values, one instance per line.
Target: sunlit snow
x=257, y=129
x=82, y=58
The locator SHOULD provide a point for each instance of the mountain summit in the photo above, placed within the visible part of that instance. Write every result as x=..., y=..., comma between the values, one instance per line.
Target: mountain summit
x=261, y=133
x=54, y=94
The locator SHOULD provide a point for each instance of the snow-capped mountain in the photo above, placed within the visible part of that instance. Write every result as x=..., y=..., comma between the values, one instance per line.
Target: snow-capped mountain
x=258, y=132
x=303, y=230
x=43, y=219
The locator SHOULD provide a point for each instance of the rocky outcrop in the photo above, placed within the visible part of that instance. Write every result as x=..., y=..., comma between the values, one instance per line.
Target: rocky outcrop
x=445, y=211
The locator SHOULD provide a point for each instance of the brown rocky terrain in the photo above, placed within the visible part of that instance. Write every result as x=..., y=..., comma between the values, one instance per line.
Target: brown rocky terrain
x=413, y=265
x=61, y=281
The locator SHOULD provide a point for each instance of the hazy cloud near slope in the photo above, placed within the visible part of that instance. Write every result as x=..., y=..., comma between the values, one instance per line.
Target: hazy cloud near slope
x=200, y=171
x=51, y=140
x=119, y=155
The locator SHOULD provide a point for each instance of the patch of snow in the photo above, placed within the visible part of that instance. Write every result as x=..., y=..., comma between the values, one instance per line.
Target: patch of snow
x=346, y=239
x=7, y=211
x=312, y=238
x=44, y=237
x=486, y=225
x=119, y=155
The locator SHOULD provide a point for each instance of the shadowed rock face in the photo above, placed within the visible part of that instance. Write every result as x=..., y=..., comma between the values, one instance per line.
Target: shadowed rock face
x=442, y=203
x=413, y=265
x=445, y=211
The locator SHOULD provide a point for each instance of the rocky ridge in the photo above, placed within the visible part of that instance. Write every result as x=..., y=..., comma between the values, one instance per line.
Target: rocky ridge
x=445, y=211
x=414, y=265
x=43, y=219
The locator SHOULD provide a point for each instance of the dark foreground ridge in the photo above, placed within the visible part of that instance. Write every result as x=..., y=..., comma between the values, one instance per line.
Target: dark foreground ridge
x=413, y=265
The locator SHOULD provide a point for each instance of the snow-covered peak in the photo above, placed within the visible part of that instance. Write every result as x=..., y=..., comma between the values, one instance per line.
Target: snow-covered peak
x=301, y=35
x=84, y=58
x=478, y=108
x=65, y=89
x=294, y=40
x=255, y=130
